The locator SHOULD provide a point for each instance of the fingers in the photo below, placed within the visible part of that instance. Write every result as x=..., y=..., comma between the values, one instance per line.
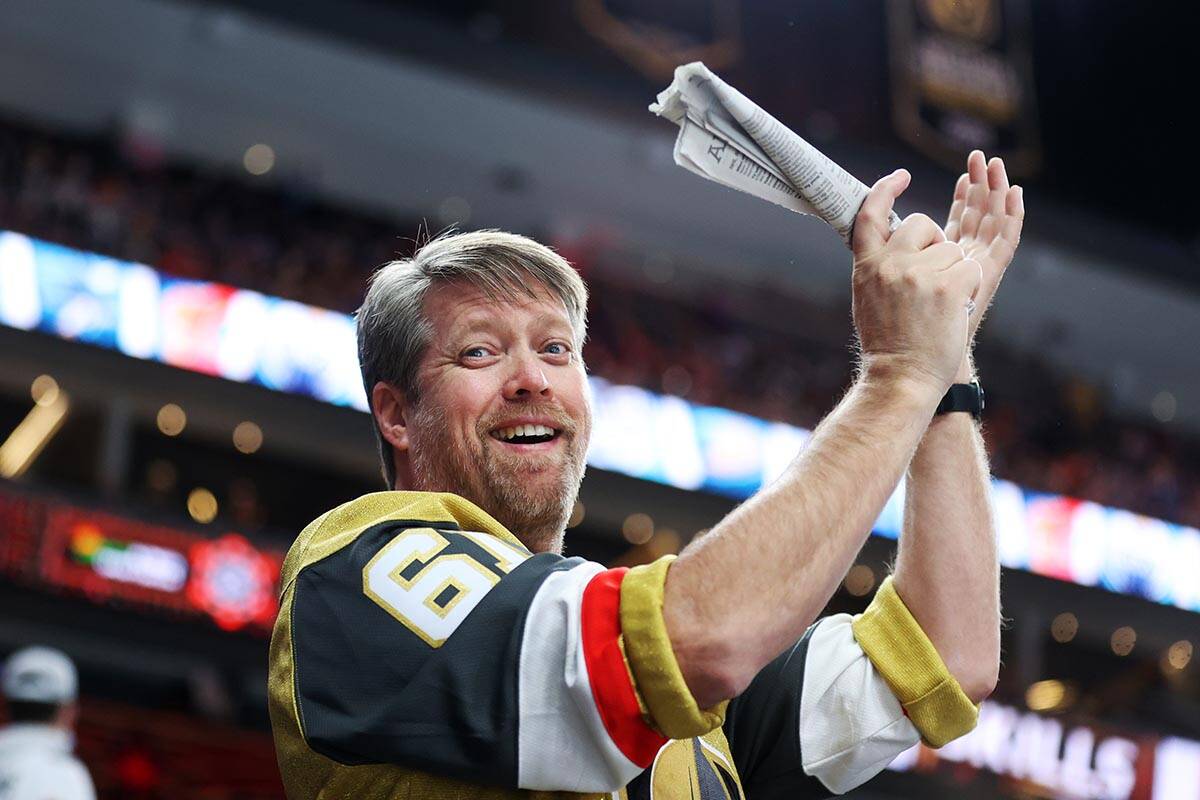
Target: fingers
x=998, y=187
x=977, y=167
x=960, y=188
x=975, y=204
x=1005, y=244
x=1014, y=204
x=917, y=232
x=984, y=208
x=871, y=229
x=964, y=278
x=997, y=176
x=956, y=207
x=941, y=256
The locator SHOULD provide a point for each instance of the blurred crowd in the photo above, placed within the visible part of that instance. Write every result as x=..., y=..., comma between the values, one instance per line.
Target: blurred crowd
x=1046, y=431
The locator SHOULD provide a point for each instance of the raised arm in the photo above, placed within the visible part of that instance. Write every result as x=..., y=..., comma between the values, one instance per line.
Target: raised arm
x=748, y=590
x=947, y=570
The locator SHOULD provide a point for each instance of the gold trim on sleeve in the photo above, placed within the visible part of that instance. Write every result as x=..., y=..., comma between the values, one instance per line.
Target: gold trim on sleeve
x=659, y=683
x=912, y=668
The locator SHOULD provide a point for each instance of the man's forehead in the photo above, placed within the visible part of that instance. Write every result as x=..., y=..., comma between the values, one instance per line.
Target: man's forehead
x=458, y=306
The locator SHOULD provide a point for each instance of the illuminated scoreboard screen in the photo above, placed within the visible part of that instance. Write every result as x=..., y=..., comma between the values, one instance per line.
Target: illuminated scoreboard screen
x=113, y=559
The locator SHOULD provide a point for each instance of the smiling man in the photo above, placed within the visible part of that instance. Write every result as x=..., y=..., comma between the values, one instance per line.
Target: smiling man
x=434, y=643
x=496, y=408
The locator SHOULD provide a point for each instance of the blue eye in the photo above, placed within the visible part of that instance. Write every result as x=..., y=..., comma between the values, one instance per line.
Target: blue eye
x=475, y=352
x=556, y=348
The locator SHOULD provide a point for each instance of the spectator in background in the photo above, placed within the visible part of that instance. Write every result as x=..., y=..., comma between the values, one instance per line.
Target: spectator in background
x=36, y=760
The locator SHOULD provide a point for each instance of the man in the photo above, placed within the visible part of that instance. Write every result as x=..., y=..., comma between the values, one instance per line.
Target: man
x=433, y=643
x=36, y=763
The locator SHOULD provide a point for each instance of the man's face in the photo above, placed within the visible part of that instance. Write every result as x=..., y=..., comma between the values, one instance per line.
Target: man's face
x=502, y=416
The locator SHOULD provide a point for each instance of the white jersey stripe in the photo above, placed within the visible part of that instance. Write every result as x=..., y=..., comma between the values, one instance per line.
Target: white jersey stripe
x=851, y=725
x=561, y=741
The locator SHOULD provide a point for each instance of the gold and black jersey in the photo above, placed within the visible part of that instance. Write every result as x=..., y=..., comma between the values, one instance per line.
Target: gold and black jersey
x=422, y=652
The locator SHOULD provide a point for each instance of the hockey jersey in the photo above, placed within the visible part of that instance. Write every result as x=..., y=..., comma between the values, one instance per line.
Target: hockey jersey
x=422, y=652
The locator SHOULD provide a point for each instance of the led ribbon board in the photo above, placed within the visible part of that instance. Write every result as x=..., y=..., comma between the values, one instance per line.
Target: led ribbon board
x=291, y=347
x=1061, y=759
x=111, y=559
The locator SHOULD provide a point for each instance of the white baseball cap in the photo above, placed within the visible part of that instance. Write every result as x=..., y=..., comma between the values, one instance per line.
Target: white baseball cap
x=40, y=675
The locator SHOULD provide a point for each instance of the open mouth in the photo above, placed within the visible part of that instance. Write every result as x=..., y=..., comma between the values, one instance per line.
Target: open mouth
x=526, y=434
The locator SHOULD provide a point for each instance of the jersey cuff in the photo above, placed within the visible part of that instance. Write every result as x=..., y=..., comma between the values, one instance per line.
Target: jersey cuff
x=613, y=688
x=673, y=710
x=912, y=668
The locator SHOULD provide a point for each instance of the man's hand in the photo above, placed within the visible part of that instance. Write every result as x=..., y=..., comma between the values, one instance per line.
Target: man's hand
x=947, y=569
x=911, y=290
x=986, y=218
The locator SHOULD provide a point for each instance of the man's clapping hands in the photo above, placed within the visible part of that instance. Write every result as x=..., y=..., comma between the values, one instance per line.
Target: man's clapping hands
x=913, y=286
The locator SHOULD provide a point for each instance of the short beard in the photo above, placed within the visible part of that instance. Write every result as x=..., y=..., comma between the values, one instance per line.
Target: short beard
x=538, y=520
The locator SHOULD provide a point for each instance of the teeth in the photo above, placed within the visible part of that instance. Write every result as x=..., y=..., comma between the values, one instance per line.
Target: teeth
x=508, y=434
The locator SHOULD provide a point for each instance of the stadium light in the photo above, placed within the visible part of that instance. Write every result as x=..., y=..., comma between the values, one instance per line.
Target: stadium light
x=31, y=436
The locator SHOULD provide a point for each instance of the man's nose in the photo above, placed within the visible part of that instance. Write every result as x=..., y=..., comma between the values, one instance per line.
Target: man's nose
x=527, y=379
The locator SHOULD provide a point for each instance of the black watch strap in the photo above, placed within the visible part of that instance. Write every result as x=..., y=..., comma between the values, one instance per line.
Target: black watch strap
x=963, y=397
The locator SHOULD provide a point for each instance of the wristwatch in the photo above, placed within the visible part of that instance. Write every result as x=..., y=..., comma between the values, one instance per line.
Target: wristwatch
x=962, y=397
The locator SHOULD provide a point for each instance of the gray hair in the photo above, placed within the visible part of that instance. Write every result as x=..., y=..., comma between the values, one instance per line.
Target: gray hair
x=393, y=330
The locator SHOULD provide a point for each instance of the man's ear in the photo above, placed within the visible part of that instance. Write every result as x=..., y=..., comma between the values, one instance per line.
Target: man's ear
x=391, y=414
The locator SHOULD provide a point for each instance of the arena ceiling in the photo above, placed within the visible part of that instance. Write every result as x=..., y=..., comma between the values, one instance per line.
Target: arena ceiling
x=1111, y=81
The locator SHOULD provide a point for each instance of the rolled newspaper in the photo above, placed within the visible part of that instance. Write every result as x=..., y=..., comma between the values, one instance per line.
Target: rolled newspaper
x=726, y=137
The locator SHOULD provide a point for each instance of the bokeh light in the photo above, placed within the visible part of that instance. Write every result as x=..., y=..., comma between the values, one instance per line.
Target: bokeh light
x=247, y=437
x=258, y=159
x=578, y=512
x=202, y=505
x=171, y=419
x=638, y=528
x=1064, y=627
x=44, y=390
x=1123, y=640
x=860, y=580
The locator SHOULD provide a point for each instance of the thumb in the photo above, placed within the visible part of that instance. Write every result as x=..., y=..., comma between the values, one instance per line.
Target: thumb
x=871, y=228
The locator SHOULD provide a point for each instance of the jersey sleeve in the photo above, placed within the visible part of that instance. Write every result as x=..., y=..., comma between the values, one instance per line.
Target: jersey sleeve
x=835, y=709
x=459, y=654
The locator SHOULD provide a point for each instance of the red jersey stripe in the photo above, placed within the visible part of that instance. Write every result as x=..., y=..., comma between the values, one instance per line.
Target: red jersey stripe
x=612, y=689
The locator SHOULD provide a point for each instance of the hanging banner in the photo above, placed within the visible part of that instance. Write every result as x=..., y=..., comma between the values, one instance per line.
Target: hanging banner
x=654, y=38
x=962, y=78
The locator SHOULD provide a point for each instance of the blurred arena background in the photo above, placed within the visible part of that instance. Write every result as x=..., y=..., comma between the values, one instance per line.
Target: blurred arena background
x=192, y=195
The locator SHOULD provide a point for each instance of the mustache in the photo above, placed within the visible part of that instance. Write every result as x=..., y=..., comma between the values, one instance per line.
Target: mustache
x=558, y=417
